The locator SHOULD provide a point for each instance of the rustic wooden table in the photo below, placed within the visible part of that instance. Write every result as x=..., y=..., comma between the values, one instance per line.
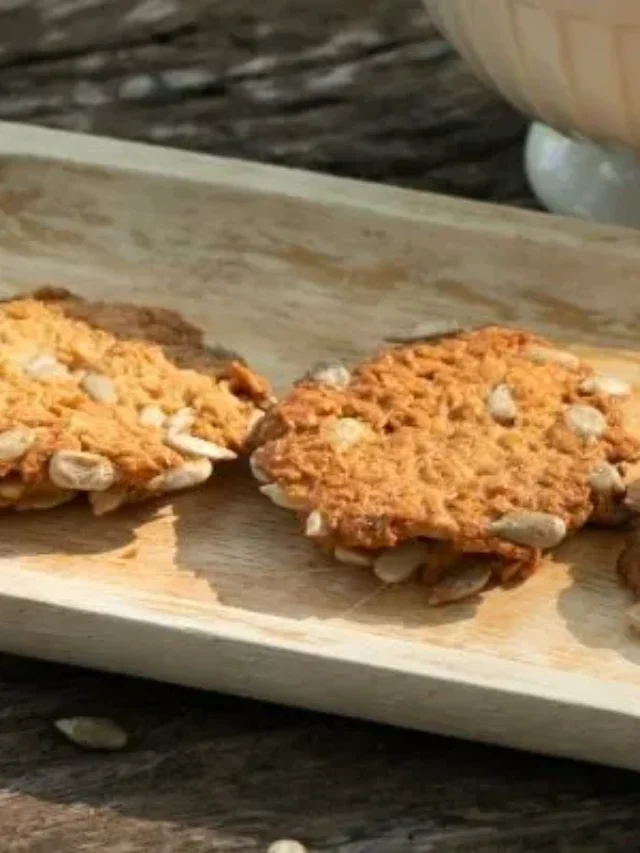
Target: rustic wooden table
x=365, y=88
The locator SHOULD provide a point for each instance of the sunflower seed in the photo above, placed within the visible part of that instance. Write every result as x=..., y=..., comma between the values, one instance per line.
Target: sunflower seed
x=255, y=418
x=315, y=525
x=14, y=443
x=532, y=529
x=151, y=416
x=427, y=331
x=99, y=387
x=610, y=385
x=98, y=733
x=77, y=469
x=461, y=583
x=45, y=367
x=607, y=488
x=605, y=480
x=191, y=473
x=109, y=501
x=46, y=497
x=501, y=405
x=398, y=564
x=585, y=421
x=546, y=355
x=280, y=498
x=345, y=432
x=352, y=557
x=256, y=470
x=194, y=446
x=331, y=373
x=180, y=420
x=286, y=845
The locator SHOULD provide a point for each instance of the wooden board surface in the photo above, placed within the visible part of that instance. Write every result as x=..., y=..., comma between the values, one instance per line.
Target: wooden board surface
x=219, y=589
x=368, y=89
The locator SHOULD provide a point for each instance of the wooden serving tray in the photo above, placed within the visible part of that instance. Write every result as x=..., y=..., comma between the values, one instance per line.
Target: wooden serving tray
x=218, y=589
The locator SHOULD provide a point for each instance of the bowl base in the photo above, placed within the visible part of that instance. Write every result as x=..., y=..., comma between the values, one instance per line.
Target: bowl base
x=582, y=179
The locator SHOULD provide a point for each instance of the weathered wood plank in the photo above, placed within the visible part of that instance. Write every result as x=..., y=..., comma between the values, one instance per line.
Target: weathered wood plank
x=207, y=772
x=367, y=89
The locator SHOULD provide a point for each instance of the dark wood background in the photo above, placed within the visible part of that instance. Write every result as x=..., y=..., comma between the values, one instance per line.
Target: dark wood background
x=365, y=88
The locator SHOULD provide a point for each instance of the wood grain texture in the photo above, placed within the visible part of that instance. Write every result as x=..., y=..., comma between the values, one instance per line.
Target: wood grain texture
x=367, y=89
x=141, y=235
x=212, y=773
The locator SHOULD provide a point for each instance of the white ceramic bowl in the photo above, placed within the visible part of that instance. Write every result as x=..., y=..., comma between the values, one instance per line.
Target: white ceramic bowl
x=574, y=65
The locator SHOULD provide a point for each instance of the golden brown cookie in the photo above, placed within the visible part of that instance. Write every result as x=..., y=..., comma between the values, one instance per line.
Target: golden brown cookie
x=489, y=442
x=117, y=401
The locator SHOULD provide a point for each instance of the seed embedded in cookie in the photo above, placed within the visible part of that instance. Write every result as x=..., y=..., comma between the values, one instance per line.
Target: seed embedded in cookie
x=151, y=416
x=585, y=421
x=108, y=500
x=14, y=443
x=316, y=526
x=543, y=354
x=501, y=405
x=81, y=471
x=606, y=480
x=44, y=497
x=353, y=557
x=345, y=432
x=399, y=564
x=181, y=420
x=609, y=385
x=99, y=387
x=257, y=471
x=609, y=493
x=491, y=444
x=280, y=498
x=539, y=530
x=45, y=367
x=332, y=373
x=460, y=583
x=191, y=445
x=114, y=401
x=188, y=475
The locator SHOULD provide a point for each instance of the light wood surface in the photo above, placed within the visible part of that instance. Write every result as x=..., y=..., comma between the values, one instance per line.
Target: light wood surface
x=368, y=89
x=218, y=589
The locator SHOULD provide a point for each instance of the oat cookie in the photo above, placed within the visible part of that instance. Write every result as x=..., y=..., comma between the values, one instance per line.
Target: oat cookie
x=115, y=401
x=491, y=443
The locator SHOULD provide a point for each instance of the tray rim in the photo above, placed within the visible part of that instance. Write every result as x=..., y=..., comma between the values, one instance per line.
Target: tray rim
x=71, y=593
x=32, y=142
x=514, y=704
x=492, y=682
